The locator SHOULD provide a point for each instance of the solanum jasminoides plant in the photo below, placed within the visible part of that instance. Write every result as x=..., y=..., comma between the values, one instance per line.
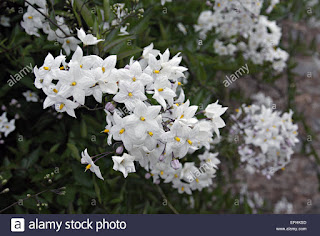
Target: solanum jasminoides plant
x=158, y=127
x=120, y=106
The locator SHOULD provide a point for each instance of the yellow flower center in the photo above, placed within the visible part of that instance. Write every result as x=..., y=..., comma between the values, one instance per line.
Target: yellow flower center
x=106, y=131
x=61, y=68
x=267, y=130
x=181, y=116
x=30, y=17
x=294, y=132
x=142, y=118
x=161, y=173
x=177, y=139
x=150, y=133
x=237, y=110
x=80, y=66
x=130, y=94
x=67, y=41
x=160, y=89
x=177, y=104
x=219, y=5
x=189, y=141
x=179, y=83
x=121, y=131
x=46, y=68
x=134, y=79
x=175, y=175
x=273, y=138
x=88, y=167
x=54, y=90
x=73, y=83
x=61, y=106
x=182, y=188
x=156, y=71
x=197, y=180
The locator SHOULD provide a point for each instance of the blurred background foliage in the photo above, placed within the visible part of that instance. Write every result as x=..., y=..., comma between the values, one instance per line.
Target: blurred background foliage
x=42, y=156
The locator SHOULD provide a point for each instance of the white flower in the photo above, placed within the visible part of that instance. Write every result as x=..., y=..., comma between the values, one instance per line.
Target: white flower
x=87, y=39
x=30, y=96
x=3, y=118
x=32, y=21
x=163, y=92
x=75, y=82
x=144, y=119
x=213, y=112
x=5, y=21
x=61, y=104
x=182, y=28
x=7, y=127
x=130, y=94
x=124, y=164
x=70, y=44
x=123, y=31
x=86, y=159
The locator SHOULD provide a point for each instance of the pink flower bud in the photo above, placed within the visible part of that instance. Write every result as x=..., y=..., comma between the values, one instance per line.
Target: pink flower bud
x=175, y=164
x=109, y=107
x=161, y=158
x=119, y=150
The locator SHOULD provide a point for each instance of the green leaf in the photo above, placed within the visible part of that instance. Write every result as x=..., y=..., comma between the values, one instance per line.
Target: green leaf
x=85, y=13
x=128, y=53
x=117, y=41
x=106, y=9
x=74, y=151
x=54, y=148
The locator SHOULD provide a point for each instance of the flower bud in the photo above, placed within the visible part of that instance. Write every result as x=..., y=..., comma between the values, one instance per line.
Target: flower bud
x=147, y=175
x=109, y=107
x=161, y=158
x=175, y=164
x=119, y=150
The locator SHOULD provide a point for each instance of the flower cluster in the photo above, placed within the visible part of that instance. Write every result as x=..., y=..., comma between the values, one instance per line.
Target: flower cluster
x=121, y=14
x=6, y=127
x=268, y=138
x=34, y=19
x=37, y=17
x=241, y=28
x=158, y=127
x=149, y=116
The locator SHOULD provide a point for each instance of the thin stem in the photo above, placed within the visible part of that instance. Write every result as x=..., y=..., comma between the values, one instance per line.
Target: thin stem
x=165, y=197
x=35, y=196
